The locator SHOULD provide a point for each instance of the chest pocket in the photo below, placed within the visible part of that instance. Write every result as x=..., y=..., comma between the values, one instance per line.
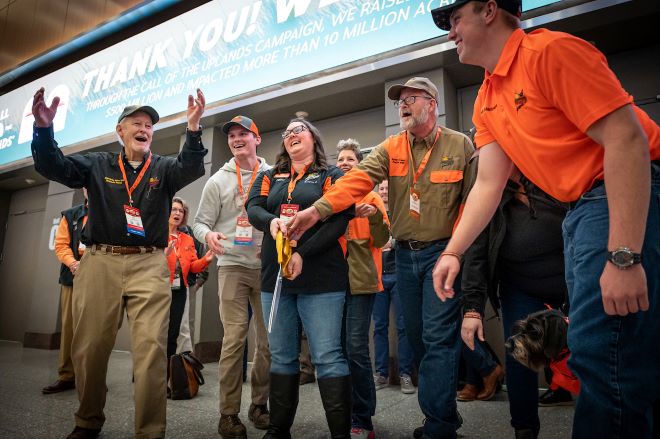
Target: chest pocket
x=446, y=186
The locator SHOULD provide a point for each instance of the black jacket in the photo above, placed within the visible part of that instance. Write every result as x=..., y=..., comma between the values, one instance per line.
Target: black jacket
x=480, y=278
x=99, y=172
x=74, y=219
x=324, y=264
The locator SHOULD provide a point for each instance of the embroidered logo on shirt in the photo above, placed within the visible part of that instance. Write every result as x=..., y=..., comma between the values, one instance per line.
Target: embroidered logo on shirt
x=312, y=178
x=485, y=109
x=113, y=180
x=519, y=99
x=154, y=182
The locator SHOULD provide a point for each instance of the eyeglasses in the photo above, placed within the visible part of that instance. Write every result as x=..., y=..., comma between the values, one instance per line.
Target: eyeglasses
x=410, y=100
x=176, y=209
x=295, y=130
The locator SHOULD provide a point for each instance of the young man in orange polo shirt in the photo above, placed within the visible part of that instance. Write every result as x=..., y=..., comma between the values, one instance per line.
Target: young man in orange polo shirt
x=573, y=131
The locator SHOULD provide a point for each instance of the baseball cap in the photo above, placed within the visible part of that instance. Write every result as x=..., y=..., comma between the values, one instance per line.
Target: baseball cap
x=242, y=121
x=132, y=109
x=441, y=15
x=418, y=83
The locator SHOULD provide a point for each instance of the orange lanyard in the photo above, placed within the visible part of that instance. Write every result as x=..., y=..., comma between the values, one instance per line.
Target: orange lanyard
x=137, y=180
x=239, y=180
x=425, y=160
x=294, y=181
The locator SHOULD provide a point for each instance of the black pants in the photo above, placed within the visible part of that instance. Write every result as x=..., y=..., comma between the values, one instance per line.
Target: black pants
x=176, y=314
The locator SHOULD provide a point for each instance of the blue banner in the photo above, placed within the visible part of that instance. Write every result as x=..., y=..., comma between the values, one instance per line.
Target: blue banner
x=226, y=49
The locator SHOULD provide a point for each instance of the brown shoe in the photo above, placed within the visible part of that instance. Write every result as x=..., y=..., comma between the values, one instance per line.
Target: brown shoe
x=259, y=415
x=491, y=382
x=58, y=386
x=231, y=427
x=306, y=378
x=83, y=433
x=469, y=393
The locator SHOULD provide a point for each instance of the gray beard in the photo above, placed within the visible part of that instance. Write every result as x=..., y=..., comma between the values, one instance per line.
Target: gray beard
x=413, y=121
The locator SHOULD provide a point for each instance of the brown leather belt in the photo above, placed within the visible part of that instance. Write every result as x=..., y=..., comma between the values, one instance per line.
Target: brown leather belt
x=124, y=250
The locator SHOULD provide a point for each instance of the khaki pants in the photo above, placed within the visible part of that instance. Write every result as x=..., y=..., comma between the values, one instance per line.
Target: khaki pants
x=65, y=369
x=236, y=287
x=105, y=285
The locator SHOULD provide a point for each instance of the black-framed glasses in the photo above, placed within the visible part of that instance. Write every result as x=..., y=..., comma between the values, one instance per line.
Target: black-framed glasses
x=410, y=100
x=295, y=130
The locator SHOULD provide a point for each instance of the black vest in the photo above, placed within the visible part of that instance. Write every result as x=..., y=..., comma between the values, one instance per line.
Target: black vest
x=74, y=218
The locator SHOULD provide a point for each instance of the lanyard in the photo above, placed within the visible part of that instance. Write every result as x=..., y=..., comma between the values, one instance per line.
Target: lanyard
x=175, y=246
x=424, y=161
x=239, y=180
x=137, y=180
x=293, y=182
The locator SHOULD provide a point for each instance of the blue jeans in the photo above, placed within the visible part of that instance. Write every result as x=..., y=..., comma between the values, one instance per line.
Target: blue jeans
x=432, y=327
x=321, y=316
x=381, y=317
x=522, y=383
x=479, y=363
x=356, y=342
x=617, y=359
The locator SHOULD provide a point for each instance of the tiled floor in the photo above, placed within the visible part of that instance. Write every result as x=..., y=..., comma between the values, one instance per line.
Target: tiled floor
x=26, y=413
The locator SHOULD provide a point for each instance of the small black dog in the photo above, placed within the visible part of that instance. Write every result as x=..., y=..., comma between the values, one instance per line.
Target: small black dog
x=539, y=339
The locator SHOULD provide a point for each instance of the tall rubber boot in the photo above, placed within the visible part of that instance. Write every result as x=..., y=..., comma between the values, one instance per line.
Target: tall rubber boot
x=283, y=403
x=336, y=397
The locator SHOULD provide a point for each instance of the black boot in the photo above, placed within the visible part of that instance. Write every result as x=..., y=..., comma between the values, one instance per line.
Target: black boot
x=283, y=402
x=336, y=397
x=525, y=434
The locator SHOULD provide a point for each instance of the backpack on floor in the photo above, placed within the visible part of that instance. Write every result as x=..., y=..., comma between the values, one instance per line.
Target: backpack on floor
x=185, y=375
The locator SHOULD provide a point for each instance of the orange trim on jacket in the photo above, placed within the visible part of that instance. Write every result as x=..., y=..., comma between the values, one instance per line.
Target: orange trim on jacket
x=187, y=258
x=365, y=238
x=62, y=240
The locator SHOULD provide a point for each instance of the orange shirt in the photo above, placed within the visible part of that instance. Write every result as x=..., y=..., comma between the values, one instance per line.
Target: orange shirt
x=547, y=89
x=62, y=240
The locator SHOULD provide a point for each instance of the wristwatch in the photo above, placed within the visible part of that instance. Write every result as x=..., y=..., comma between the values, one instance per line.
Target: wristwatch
x=624, y=258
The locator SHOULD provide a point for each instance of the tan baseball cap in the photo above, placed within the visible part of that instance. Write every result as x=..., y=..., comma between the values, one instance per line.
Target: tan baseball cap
x=418, y=83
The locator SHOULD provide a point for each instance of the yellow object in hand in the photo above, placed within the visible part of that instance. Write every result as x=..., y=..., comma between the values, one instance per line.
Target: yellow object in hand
x=284, y=252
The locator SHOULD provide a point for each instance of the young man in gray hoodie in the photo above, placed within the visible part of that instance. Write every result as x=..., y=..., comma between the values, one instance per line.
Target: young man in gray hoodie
x=221, y=222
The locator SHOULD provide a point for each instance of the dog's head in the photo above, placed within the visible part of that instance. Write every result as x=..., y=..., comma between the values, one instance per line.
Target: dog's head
x=539, y=338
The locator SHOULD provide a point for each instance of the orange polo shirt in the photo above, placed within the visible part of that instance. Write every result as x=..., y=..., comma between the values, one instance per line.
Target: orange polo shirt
x=547, y=89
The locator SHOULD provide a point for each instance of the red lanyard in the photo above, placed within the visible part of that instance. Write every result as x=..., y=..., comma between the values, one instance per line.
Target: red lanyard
x=137, y=180
x=425, y=160
x=293, y=182
x=239, y=180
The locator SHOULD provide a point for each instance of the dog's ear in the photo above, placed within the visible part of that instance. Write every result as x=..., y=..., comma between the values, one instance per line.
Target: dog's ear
x=554, y=340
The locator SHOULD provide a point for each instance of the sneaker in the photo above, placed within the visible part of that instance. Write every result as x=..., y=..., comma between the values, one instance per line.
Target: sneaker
x=231, y=427
x=380, y=381
x=557, y=397
x=362, y=433
x=259, y=415
x=407, y=386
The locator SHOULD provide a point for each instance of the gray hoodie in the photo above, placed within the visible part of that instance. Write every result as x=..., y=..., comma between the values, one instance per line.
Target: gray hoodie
x=218, y=209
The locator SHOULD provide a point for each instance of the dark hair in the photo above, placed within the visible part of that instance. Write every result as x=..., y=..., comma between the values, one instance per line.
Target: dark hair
x=350, y=145
x=283, y=161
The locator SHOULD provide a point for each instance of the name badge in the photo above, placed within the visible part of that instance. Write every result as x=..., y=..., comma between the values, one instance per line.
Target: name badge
x=176, y=282
x=243, y=235
x=288, y=211
x=415, y=203
x=133, y=220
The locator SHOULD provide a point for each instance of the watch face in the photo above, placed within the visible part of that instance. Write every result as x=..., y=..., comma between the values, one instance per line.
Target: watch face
x=622, y=258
